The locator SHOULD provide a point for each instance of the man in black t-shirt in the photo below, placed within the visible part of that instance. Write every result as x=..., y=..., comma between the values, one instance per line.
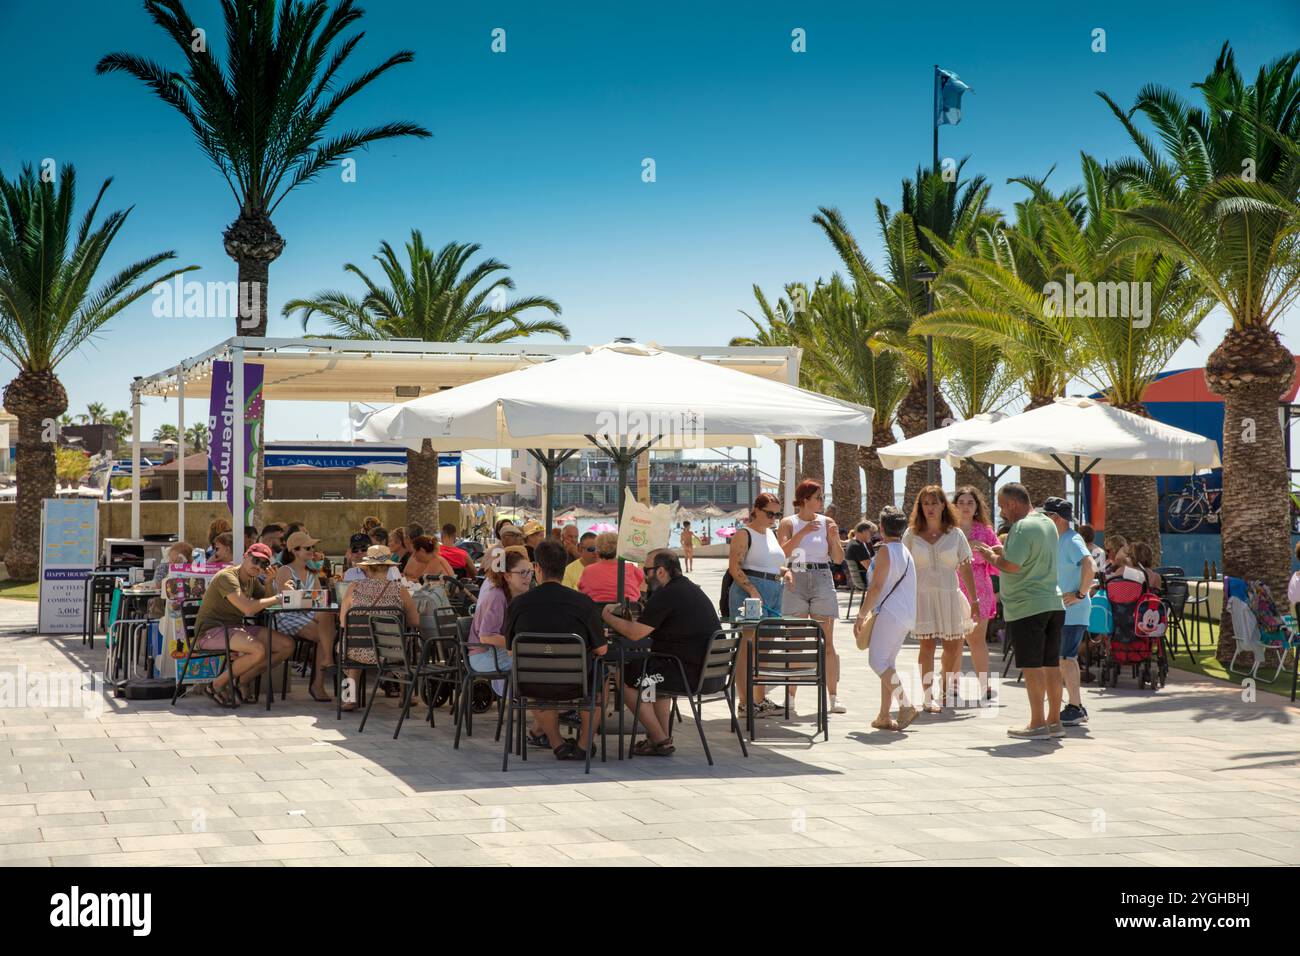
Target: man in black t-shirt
x=551, y=608
x=859, y=548
x=679, y=619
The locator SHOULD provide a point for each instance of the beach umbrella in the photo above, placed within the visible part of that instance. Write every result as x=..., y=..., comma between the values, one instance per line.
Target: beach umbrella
x=1081, y=436
x=726, y=532
x=933, y=446
x=600, y=527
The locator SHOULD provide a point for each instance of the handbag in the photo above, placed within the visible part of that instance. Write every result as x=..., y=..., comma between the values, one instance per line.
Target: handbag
x=863, y=635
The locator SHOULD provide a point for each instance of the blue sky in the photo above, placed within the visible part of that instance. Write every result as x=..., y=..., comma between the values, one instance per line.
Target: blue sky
x=537, y=152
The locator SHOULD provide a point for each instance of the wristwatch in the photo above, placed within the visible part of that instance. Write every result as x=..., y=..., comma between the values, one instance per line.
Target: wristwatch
x=1080, y=594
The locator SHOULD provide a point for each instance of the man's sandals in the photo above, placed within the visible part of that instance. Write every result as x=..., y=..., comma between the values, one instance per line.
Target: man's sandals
x=648, y=748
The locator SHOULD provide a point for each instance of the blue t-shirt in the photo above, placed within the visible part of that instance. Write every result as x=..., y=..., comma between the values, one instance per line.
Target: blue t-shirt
x=1070, y=552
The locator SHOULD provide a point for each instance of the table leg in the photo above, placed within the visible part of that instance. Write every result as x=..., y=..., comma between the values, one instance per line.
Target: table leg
x=270, y=683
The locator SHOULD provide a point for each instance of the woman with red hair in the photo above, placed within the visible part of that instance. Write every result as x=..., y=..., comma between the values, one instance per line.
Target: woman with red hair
x=811, y=541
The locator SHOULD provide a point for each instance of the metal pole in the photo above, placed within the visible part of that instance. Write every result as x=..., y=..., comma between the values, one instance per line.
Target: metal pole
x=931, y=466
x=749, y=461
x=180, y=455
x=135, y=463
x=237, y=520
x=934, y=120
x=622, y=460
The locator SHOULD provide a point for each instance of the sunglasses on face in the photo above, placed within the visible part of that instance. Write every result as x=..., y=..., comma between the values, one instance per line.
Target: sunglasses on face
x=774, y=515
x=261, y=563
x=590, y=550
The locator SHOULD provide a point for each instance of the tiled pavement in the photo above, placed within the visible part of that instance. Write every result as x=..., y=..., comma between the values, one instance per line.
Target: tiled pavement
x=1192, y=775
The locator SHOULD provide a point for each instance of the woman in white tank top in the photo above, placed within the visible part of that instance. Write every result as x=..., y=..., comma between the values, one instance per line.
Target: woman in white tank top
x=757, y=568
x=811, y=541
x=892, y=595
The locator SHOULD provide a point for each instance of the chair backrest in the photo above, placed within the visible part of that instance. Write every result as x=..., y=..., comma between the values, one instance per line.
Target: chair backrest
x=549, y=666
x=1176, y=594
x=190, y=614
x=1245, y=629
x=388, y=639
x=720, y=659
x=793, y=643
x=446, y=621
x=855, y=575
x=356, y=628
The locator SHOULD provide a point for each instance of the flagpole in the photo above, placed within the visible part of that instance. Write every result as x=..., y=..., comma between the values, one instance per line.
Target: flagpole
x=934, y=118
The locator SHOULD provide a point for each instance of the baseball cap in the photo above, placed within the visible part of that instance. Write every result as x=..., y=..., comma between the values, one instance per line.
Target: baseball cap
x=359, y=542
x=300, y=539
x=260, y=550
x=1059, y=507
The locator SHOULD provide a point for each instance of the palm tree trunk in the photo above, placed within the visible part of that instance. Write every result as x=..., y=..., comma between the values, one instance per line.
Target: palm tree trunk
x=780, y=469
x=846, y=487
x=1042, y=483
x=422, y=488
x=33, y=397
x=913, y=421
x=1133, y=501
x=253, y=242
x=812, y=461
x=880, y=480
x=1251, y=369
x=968, y=474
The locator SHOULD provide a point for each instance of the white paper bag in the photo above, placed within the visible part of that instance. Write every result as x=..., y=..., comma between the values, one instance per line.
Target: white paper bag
x=642, y=529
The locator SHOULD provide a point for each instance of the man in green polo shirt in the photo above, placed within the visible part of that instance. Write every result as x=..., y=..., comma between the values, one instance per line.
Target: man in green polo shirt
x=1031, y=607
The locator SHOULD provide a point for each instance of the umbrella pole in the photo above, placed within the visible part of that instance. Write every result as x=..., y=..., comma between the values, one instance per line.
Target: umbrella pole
x=549, y=462
x=623, y=460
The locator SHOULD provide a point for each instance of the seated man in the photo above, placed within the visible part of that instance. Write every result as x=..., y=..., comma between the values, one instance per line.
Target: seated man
x=458, y=558
x=273, y=537
x=600, y=581
x=234, y=593
x=551, y=608
x=586, y=552
x=359, y=544
x=679, y=619
x=860, y=549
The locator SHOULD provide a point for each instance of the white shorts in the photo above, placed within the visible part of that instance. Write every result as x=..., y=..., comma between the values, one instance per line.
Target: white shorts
x=887, y=636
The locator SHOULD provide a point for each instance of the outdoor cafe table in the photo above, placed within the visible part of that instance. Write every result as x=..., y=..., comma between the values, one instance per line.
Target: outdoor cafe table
x=271, y=613
x=622, y=652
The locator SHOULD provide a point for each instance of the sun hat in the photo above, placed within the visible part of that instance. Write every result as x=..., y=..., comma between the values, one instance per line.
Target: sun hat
x=506, y=529
x=1059, y=507
x=300, y=539
x=260, y=550
x=532, y=527
x=378, y=554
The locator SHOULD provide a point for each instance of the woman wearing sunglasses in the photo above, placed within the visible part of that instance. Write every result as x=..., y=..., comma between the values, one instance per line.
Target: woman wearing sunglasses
x=299, y=571
x=758, y=570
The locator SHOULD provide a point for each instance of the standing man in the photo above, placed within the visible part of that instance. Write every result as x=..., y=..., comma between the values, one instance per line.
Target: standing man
x=687, y=541
x=1031, y=607
x=1074, y=575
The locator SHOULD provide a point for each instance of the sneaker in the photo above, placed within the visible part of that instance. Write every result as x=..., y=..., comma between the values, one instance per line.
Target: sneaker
x=1055, y=730
x=837, y=707
x=1028, y=733
x=1073, y=716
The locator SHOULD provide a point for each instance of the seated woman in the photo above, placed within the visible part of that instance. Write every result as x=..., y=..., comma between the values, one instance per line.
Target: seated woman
x=300, y=574
x=178, y=553
x=599, y=581
x=487, y=645
x=373, y=594
x=425, y=560
x=221, y=526
x=223, y=549
x=399, y=542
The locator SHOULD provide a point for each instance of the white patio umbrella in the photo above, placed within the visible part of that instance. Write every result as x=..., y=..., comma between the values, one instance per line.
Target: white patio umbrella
x=933, y=445
x=1081, y=436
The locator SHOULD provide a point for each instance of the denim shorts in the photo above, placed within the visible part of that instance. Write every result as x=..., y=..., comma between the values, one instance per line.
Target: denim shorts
x=771, y=593
x=813, y=595
x=1071, y=638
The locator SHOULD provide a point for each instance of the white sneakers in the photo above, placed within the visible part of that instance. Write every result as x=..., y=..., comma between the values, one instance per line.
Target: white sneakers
x=837, y=707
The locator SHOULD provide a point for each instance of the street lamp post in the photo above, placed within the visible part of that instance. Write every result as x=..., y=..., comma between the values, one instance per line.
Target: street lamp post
x=927, y=276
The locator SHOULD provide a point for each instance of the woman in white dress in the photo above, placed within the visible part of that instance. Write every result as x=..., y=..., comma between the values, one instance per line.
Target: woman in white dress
x=943, y=614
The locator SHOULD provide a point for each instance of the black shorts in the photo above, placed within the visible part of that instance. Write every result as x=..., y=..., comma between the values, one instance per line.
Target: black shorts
x=1037, y=639
x=667, y=677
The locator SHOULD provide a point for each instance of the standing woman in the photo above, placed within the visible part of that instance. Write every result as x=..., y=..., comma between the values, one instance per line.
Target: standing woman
x=757, y=566
x=302, y=570
x=892, y=595
x=943, y=614
x=811, y=542
x=973, y=519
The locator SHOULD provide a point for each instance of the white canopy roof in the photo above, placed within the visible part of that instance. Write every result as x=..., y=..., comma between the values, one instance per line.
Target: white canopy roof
x=623, y=393
x=1119, y=442
x=471, y=483
x=934, y=444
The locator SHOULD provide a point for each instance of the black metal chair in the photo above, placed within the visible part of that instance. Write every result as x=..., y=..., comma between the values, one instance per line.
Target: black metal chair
x=353, y=635
x=464, y=703
x=717, y=681
x=857, y=585
x=189, y=616
x=1175, y=598
x=393, y=654
x=98, y=602
x=548, y=672
x=437, y=660
x=790, y=652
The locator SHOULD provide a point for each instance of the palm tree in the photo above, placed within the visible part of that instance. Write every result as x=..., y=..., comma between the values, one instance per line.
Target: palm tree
x=1219, y=189
x=1117, y=351
x=166, y=433
x=96, y=413
x=782, y=325
x=428, y=298
x=47, y=310
x=196, y=437
x=263, y=117
x=851, y=364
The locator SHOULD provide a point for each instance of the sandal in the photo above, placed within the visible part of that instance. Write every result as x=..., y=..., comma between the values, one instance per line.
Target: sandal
x=220, y=696
x=905, y=716
x=570, y=751
x=933, y=707
x=539, y=740
x=648, y=748
x=886, y=725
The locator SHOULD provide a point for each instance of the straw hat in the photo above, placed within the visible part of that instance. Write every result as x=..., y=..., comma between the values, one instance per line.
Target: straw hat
x=377, y=554
x=532, y=527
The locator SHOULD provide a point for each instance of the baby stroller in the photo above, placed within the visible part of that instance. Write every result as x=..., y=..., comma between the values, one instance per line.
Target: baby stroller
x=1138, y=620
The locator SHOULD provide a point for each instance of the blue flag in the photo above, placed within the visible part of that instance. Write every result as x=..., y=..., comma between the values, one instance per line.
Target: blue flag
x=948, y=89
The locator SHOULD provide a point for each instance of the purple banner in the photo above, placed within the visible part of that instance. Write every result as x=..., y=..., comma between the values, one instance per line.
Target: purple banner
x=221, y=418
